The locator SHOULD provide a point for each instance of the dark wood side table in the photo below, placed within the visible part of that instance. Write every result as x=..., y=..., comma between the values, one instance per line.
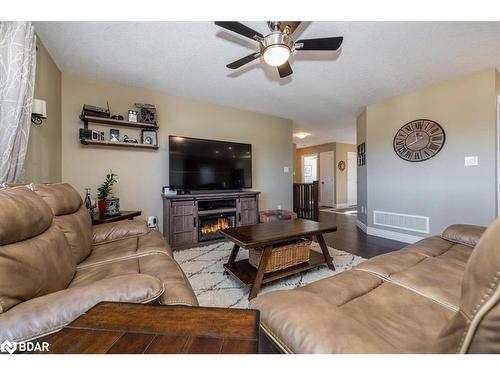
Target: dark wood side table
x=128, y=328
x=125, y=215
x=265, y=236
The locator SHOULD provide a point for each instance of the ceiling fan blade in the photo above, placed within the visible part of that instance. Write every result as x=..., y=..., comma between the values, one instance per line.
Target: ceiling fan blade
x=244, y=60
x=319, y=44
x=285, y=70
x=292, y=26
x=241, y=29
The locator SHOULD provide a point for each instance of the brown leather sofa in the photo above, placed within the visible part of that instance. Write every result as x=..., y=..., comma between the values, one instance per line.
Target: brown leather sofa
x=54, y=265
x=439, y=295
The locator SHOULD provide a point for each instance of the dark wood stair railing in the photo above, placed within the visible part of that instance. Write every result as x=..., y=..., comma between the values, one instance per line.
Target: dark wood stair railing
x=306, y=200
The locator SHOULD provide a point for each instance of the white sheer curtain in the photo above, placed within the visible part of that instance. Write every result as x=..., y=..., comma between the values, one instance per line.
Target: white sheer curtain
x=17, y=80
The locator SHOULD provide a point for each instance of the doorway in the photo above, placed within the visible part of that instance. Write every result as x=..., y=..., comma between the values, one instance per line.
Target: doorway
x=309, y=168
x=327, y=179
x=352, y=179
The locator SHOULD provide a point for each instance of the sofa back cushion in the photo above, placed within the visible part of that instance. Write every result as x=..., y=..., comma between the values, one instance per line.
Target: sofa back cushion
x=22, y=215
x=464, y=234
x=71, y=216
x=476, y=326
x=34, y=255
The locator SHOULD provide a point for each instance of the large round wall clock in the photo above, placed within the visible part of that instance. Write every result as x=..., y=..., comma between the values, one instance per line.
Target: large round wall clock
x=419, y=140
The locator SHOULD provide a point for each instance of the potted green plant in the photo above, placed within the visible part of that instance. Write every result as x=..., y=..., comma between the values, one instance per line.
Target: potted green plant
x=105, y=189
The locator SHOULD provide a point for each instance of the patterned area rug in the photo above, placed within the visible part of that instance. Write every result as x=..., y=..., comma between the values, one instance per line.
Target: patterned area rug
x=204, y=268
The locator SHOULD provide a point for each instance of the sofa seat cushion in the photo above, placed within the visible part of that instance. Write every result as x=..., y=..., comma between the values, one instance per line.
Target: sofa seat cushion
x=126, y=248
x=353, y=312
x=432, y=267
x=110, y=252
x=44, y=315
x=154, y=242
x=90, y=275
x=177, y=289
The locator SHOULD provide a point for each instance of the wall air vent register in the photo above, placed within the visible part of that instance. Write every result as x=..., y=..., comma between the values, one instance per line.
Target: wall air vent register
x=411, y=223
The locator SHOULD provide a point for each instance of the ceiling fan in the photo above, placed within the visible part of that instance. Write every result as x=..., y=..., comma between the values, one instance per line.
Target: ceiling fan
x=278, y=46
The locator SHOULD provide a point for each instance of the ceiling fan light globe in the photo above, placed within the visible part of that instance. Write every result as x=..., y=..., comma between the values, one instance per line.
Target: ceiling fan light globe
x=276, y=55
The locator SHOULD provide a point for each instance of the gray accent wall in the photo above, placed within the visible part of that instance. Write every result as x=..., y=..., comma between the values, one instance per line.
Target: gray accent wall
x=441, y=188
x=362, y=182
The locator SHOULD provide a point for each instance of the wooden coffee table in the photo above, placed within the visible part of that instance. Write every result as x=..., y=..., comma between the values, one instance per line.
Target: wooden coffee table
x=134, y=328
x=267, y=235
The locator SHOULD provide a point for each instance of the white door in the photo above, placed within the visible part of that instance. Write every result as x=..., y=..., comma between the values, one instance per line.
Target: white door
x=352, y=179
x=326, y=179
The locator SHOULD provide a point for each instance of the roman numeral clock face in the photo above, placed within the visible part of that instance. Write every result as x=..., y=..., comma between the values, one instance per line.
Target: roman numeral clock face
x=419, y=140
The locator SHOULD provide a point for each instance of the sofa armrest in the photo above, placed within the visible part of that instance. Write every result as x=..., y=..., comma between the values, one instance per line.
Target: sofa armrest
x=463, y=234
x=110, y=232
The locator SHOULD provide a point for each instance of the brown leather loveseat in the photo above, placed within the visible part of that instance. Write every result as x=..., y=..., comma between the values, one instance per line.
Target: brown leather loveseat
x=439, y=295
x=54, y=265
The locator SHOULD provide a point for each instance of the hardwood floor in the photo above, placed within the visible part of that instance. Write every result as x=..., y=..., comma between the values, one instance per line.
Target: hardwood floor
x=353, y=240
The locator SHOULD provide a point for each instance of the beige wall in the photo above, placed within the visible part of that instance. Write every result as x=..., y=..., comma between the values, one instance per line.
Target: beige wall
x=142, y=173
x=441, y=188
x=498, y=82
x=340, y=153
x=43, y=158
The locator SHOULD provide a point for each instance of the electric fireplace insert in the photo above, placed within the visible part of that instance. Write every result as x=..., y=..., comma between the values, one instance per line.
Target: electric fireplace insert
x=210, y=225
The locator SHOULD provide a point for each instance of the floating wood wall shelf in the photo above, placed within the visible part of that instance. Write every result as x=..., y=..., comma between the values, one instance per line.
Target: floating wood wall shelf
x=90, y=142
x=112, y=122
x=117, y=123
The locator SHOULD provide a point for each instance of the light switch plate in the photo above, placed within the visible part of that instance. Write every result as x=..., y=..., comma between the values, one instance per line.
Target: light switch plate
x=471, y=161
x=286, y=169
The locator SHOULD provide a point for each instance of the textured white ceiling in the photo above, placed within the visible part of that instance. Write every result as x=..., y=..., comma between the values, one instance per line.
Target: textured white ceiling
x=327, y=90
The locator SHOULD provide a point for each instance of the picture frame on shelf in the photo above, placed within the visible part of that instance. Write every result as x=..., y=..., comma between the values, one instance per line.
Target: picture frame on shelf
x=97, y=135
x=149, y=137
x=114, y=135
x=133, y=115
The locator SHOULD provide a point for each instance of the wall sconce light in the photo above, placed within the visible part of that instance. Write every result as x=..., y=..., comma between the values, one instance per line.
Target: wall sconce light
x=38, y=111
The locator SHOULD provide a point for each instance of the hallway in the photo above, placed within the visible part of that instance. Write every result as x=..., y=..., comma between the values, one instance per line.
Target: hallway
x=353, y=240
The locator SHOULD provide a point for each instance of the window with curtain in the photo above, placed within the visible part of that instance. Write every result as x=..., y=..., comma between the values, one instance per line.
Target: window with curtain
x=17, y=80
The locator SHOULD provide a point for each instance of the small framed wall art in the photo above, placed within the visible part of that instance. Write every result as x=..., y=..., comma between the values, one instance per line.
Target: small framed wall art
x=149, y=137
x=341, y=165
x=132, y=115
x=361, y=154
x=114, y=135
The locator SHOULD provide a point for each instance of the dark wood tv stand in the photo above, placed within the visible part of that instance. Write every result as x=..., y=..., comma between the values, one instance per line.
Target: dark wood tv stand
x=194, y=219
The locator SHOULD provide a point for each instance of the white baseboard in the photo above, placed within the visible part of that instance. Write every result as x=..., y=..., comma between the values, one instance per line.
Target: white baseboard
x=389, y=234
x=361, y=225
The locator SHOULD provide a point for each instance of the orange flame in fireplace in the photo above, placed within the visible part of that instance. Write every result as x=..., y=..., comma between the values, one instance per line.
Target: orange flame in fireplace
x=222, y=223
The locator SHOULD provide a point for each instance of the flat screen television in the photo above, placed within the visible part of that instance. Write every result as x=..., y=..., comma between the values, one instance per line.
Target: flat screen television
x=203, y=164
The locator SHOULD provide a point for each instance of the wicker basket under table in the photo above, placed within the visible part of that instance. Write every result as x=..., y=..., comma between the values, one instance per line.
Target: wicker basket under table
x=283, y=256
